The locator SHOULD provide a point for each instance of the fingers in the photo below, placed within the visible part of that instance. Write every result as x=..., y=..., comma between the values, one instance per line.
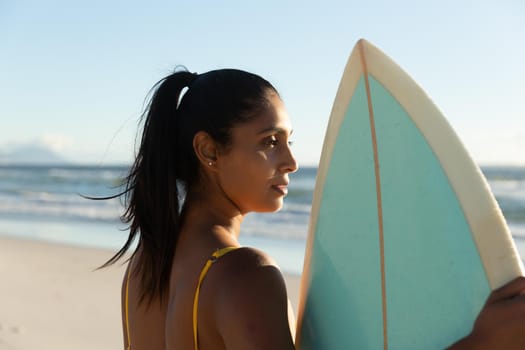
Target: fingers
x=509, y=290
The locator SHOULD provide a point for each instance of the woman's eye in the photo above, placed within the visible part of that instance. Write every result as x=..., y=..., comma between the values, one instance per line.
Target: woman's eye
x=271, y=142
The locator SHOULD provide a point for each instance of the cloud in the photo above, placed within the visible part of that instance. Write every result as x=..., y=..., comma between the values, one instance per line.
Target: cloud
x=54, y=142
x=49, y=141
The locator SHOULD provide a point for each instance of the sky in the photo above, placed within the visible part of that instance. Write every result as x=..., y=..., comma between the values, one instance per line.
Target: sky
x=74, y=75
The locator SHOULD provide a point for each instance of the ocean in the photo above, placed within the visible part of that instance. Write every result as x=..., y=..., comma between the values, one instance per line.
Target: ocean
x=45, y=203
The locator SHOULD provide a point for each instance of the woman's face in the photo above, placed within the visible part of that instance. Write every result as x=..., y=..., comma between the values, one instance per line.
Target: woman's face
x=253, y=173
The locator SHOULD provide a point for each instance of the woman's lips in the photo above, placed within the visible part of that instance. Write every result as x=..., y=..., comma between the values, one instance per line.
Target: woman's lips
x=282, y=189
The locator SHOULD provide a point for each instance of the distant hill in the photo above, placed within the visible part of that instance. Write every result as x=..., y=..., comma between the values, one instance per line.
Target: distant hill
x=31, y=154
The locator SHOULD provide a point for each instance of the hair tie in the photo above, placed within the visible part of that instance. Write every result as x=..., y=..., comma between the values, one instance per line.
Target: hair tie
x=188, y=81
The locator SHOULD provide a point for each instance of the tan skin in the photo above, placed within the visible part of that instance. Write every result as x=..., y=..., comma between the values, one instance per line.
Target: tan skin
x=243, y=302
x=501, y=322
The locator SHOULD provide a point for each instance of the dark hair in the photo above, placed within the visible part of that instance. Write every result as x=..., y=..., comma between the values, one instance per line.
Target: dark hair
x=166, y=166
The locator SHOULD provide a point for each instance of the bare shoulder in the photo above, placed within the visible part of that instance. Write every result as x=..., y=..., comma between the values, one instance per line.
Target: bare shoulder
x=244, y=269
x=251, y=303
x=250, y=258
x=248, y=274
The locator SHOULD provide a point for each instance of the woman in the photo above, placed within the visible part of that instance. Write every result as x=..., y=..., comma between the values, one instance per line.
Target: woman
x=205, y=160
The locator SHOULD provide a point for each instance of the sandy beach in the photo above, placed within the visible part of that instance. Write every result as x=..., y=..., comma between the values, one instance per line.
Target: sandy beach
x=51, y=297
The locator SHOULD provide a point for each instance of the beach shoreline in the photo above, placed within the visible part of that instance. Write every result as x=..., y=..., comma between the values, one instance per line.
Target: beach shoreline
x=52, y=296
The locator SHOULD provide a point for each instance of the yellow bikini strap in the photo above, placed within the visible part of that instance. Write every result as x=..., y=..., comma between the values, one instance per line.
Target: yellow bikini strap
x=211, y=260
x=127, y=306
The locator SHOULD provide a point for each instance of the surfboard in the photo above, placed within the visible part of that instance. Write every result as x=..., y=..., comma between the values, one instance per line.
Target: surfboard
x=405, y=239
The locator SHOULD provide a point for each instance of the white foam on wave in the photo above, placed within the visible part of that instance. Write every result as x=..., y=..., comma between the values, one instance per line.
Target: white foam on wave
x=51, y=205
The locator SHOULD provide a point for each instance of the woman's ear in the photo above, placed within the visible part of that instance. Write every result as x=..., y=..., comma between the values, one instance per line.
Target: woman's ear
x=205, y=148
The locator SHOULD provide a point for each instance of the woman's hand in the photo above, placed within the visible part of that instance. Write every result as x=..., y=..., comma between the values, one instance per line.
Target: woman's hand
x=501, y=322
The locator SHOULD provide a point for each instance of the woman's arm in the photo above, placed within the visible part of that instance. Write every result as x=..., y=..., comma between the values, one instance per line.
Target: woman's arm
x=501, y=322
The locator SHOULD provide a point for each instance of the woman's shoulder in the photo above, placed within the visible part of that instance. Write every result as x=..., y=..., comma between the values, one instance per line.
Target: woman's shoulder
x=250, y=273
x=244, y=265
x=250, y=300
x=243, y=258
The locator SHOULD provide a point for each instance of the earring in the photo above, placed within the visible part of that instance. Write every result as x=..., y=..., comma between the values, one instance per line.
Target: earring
x=210, y=163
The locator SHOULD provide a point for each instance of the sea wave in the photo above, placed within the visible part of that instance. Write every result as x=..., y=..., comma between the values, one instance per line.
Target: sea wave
x=504, y=173
x=56, y=192
x=53, y=207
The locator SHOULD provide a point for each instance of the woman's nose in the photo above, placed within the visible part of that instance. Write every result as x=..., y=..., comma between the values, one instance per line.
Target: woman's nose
x=289, y=164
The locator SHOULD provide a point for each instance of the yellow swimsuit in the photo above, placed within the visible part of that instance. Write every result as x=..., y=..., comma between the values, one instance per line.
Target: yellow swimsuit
x=215, y=256
x=127, y=308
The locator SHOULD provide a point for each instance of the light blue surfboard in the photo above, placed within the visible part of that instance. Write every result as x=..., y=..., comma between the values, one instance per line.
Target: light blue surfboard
x=406, y=240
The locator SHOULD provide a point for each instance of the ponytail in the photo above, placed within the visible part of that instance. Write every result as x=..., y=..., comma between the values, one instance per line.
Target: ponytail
x=151, y=194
